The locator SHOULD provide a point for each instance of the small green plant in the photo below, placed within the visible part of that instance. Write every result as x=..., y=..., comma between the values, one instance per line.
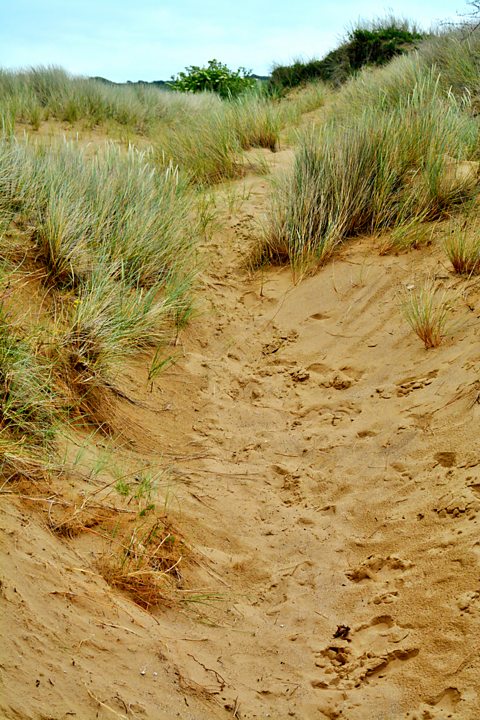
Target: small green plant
x=160, y=363
x=426, y=310
x=215, y=77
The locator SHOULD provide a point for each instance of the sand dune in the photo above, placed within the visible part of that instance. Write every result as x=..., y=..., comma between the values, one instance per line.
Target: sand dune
x=326, y=473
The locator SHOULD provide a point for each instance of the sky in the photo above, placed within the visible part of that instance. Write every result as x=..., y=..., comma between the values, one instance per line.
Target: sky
x=155, y=39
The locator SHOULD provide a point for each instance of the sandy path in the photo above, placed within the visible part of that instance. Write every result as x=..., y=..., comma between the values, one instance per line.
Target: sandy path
x=327, y=474
x=342, y=493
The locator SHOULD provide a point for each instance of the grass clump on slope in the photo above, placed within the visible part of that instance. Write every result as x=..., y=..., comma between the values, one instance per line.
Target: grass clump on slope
x=371, y=166
x=114, y=238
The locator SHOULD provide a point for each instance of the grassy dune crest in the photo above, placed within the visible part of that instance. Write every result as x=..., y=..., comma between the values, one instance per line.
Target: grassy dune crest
x=207, y=146
x=379, y=161
x=42, y=93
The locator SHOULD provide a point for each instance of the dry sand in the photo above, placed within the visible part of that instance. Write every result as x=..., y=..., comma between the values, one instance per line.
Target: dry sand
x=326, y=472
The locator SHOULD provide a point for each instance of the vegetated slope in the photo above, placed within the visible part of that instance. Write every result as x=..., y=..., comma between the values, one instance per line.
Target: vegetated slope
x=321, y=465
x=386, y=157
x=292, y=506
x=367, y=44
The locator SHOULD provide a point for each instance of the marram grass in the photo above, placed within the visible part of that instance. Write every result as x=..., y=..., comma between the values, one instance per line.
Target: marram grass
x=379, y=169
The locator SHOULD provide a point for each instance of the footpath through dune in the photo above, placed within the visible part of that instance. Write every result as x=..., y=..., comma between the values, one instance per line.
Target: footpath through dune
x=341, y=490
x=327, y=474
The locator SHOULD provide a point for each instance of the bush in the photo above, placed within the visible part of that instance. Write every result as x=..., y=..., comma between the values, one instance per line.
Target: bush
x=373, y=43
x=216, y=77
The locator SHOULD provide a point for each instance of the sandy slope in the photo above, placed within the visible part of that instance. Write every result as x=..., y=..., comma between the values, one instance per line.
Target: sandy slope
x=327, y=476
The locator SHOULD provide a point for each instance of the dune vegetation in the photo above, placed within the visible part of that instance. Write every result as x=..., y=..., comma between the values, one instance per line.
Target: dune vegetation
x=110, y=233
x=383, y=156
x=372, y=44
x=121, y=231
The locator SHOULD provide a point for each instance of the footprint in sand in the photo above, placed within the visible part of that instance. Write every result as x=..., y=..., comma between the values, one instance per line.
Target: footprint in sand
x=444, y=706
x=291, y=489
x=445, y=458
x=464, y=503
x=340, y=379
x=319, y=316
x=388, y=572
x=376, y=567
x=356, y=657
x=279, y=340
x=409, y=384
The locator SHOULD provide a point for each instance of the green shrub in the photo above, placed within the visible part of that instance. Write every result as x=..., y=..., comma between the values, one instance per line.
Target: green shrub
x=374, y=43
x=215, y=77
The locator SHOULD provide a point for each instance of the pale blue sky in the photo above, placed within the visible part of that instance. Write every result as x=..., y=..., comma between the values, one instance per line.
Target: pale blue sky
x=153, y=39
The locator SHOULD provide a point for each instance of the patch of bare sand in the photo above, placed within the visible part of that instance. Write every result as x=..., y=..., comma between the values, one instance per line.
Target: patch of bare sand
x=328, y=476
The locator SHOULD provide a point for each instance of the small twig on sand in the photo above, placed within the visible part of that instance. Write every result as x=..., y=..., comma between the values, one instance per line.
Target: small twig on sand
x=221, y=681
x=118, y=627
x=102, y=704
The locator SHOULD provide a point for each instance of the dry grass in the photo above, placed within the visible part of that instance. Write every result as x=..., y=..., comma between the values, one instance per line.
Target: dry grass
x=426, y=309
x=463, y=246
x=145, y=563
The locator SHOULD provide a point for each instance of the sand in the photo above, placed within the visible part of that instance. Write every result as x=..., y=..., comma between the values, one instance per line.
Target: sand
x=325, y=470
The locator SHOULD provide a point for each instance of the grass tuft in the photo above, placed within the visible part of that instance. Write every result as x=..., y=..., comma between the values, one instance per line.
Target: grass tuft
x=376, y=170
x=463, y=247
x=426, y=310
x=27, y=401
x=146, y=564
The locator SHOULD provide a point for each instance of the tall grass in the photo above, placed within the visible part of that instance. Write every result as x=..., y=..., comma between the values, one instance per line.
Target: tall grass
x=43, y=93
x=113, y=208
x=257, y=121
x=310, y=97
x=204, y=146
x=27, y=404
x=455, y=56
x=208, y=146
x=380, y=167
x=116, y=239
x=451, y=59
x=200, y=133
